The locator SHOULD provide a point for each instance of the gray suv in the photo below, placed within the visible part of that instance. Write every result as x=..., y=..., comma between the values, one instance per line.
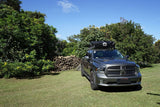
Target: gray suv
x=103, y=65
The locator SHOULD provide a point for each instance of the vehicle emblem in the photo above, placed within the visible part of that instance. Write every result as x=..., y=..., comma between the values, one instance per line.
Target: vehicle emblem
x=104, y=44
x=122, y=72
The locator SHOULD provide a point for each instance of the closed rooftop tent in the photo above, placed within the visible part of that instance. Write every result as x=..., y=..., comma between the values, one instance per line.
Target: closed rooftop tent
x=102, y=44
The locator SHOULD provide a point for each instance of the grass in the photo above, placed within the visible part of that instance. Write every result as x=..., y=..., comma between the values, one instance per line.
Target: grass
x=69, y=89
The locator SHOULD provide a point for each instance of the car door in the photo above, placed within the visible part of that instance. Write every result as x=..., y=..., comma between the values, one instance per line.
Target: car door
x=88, y=62
x=85, y=63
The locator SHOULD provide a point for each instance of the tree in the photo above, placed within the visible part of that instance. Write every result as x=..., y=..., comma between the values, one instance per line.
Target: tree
x=21, y=33
x=70, y=49
x=13, y=3
x=86, y=36
x=157, y=44
x=132, y=41
x=129, y=37
x=61, y=45
x=27, y=43
x=157, y=51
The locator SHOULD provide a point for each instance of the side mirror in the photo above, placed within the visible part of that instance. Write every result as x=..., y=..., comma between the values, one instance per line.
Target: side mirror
x=86, y=57
x=127, y=56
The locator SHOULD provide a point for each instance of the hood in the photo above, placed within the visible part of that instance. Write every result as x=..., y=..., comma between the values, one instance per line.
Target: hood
x=113, y=61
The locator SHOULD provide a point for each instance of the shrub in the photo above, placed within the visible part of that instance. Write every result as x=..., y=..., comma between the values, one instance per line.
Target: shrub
x=26, y=69
x=31, y=67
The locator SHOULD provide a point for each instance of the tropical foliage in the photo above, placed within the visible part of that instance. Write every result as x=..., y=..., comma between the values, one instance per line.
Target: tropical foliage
x=129, y=37
x=157, y=51
x=27, y=43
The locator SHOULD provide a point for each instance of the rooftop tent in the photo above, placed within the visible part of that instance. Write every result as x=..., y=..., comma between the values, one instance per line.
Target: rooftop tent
x=102, y=44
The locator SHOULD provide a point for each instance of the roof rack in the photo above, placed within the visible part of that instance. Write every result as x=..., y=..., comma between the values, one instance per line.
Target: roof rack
x=102, y=45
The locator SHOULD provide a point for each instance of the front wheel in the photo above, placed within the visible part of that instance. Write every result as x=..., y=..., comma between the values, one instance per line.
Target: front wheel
x=94, y=86
x=138, y=87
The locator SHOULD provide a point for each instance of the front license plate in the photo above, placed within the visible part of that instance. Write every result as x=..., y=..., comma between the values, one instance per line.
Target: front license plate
x=124, y=81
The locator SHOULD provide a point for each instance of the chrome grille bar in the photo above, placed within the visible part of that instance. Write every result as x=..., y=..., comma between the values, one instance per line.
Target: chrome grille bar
x=120, y=70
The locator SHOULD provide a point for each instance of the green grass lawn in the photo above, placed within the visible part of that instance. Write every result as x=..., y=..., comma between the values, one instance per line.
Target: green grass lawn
x=69, y=89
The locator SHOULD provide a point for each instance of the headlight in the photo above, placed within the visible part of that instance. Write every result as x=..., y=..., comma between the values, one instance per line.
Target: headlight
x=137, y=70
x=100, y=69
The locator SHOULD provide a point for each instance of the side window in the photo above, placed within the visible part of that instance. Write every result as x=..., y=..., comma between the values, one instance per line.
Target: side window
x=89, y=53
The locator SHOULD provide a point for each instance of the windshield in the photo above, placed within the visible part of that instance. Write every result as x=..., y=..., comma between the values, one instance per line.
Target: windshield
x=107, y=54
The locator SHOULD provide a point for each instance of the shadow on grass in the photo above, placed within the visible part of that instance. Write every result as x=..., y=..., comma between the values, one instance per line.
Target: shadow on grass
x=158, y=103
x=51, y=73
x=39, y=76
x=153, y=94
x=146, y=66
x=121, y=89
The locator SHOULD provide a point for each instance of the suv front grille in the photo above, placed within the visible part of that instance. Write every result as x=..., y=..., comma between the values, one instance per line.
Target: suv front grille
x=118, y=71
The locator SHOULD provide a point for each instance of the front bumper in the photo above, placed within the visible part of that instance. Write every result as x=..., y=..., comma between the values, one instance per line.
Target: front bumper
x=103, y=80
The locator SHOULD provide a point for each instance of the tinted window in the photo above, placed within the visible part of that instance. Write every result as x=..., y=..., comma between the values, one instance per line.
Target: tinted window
x=107, y=54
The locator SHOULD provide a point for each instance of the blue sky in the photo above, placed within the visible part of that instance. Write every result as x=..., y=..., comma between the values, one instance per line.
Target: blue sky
x=70, y=16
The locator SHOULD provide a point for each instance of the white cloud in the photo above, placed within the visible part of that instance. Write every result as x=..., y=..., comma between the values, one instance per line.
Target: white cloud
x=67, y=6
x=58, y=35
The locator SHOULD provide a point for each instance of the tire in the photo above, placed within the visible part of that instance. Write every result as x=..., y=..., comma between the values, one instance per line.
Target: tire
x=138, y=87
x=94, y=86
x=82, y=72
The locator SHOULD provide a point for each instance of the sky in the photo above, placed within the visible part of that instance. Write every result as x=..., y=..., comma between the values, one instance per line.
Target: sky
x=70, y=16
